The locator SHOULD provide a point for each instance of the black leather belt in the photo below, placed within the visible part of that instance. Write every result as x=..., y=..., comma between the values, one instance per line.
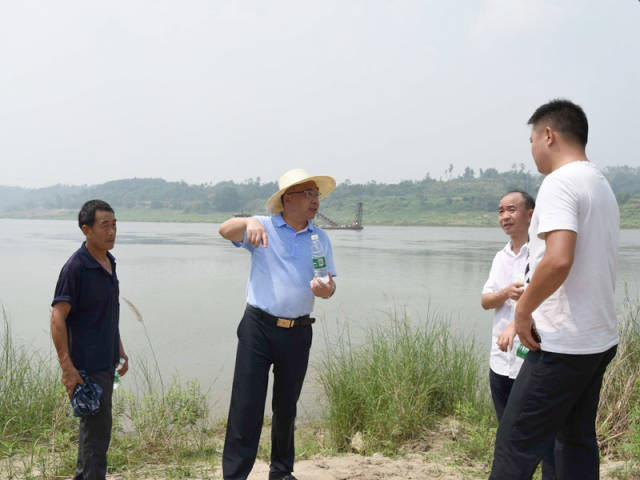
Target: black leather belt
x=282, y=322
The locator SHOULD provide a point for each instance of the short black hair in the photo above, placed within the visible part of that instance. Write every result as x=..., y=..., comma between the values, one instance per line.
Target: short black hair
x=87, y=215
x=565, y=117
x=529, y=202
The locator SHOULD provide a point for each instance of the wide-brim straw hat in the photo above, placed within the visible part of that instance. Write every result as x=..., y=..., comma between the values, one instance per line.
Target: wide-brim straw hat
x=294, y=177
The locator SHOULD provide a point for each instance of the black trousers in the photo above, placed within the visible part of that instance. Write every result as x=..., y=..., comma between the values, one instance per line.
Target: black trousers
x=501, y=386
x=260, y=345
x=551, y=411
x=95, y=433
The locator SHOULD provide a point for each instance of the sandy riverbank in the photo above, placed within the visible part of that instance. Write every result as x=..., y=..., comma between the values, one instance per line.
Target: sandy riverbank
x=377, y=467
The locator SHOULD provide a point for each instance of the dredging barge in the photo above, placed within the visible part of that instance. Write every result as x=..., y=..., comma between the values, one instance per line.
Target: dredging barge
x=328, y=224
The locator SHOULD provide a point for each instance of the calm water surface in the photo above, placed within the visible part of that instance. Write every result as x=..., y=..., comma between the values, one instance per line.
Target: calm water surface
x=188, y=284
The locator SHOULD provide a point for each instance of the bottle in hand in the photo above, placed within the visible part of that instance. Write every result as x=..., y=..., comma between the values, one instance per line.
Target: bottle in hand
x=320, y=269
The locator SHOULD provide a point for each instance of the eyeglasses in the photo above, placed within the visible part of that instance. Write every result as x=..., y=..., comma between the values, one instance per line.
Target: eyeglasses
x=309, y=193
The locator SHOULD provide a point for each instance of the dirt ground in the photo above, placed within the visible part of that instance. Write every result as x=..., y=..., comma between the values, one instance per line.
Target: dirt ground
x=414, y=466
x=375, y=467
x=357, y=467
x=347, y=467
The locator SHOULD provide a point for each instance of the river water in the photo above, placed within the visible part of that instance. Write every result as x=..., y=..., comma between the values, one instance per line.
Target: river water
x=188, y=284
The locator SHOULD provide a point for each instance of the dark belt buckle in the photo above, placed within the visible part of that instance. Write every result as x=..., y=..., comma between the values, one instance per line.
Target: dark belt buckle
x=285, y=323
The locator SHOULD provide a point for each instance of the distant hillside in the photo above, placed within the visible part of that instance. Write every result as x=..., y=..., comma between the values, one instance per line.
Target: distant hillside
x=468, y=199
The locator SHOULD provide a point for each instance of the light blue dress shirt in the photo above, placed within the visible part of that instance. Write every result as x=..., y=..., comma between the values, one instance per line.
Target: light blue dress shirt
x=280, y=274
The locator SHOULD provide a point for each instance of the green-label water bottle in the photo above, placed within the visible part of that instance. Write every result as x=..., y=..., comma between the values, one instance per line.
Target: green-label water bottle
x=522, y=351
x=320, y=269
x=116, y=375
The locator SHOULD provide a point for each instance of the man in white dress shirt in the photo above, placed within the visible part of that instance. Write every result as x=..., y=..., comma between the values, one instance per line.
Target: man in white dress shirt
x=501, y=292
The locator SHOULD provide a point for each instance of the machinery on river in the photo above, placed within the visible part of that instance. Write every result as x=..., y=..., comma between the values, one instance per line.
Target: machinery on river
x=329, y=224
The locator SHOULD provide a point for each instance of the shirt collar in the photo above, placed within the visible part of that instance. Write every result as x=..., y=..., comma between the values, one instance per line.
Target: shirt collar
x=87, y=259
x=524, y=249
x=278, y=222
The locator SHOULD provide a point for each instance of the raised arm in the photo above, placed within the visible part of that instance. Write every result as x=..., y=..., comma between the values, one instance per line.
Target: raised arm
x=234, y=228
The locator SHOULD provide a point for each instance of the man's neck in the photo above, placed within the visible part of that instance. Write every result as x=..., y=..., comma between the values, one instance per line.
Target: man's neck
x=295, y=223
x=567, y=155
x=517, y=241
x=98, y=254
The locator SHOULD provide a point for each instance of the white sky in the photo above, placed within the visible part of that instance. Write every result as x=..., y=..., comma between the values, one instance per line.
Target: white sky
x=212, y=90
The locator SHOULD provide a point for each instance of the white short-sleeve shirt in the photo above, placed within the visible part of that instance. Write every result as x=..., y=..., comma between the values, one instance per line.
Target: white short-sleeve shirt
x=506, y=268
x=579, y=317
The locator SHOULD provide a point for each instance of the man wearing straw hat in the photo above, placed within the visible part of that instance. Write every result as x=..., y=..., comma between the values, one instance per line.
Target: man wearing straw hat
x=276, y=326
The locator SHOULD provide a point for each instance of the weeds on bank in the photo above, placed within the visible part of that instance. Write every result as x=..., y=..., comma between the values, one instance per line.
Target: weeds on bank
x=388, y=392
x=395, y=386
x=402, y=383
x=619, y=415
x=156, y=427
x=33, y=411
x=30, y=394
x=618, y=420
x=38, y=437
x=159, y=425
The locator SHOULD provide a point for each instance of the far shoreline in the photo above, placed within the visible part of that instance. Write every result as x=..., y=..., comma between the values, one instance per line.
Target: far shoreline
x=176, y=216
x=462, y=225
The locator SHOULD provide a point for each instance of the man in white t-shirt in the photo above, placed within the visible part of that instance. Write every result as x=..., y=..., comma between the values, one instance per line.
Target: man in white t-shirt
x=566, y=316
x=502, y=290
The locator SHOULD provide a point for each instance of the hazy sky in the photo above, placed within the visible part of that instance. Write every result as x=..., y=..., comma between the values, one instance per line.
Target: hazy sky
x=212, y=90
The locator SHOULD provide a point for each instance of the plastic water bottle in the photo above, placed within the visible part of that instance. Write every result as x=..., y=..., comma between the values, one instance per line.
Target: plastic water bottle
x=116, y=375
x=320, y=269
x=522, y=351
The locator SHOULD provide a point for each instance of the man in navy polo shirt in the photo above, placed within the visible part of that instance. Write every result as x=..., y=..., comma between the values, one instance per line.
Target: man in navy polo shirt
x=276, y=327
x=84, y=329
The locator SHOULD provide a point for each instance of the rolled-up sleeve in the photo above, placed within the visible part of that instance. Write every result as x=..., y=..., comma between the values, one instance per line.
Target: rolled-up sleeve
x=67, y=286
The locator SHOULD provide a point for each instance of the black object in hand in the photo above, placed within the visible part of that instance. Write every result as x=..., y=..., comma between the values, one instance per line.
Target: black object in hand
x=535, y=334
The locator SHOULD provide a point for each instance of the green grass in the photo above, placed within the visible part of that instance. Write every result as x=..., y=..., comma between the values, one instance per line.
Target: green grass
x=31, y=397
x=172, y=425
x=403, y=388
x=618, y=415
x=399, y=383
x=38, y=437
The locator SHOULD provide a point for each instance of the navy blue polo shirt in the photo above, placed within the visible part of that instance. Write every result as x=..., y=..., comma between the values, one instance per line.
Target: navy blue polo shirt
x=92, y=323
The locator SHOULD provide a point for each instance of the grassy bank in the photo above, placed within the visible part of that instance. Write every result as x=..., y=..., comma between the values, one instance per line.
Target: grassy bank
x=38, y=436
x=404, y=382
x=406, y=387
x=399, y=383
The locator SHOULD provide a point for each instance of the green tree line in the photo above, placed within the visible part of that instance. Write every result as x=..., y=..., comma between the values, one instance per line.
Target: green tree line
x=468, y=199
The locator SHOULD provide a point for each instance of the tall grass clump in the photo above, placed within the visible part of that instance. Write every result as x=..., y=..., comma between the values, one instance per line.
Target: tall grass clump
x=32, y=403
x=618, y=420
x=394, y=386
x=38, y=436
x=156, y=424
x=160, y=426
